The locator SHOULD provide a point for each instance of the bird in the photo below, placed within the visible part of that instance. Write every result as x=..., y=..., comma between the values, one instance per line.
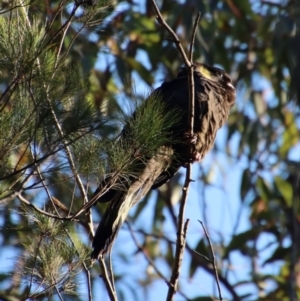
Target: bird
x=214, y=97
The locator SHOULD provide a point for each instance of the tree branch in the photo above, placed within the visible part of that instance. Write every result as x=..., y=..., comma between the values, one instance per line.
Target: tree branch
x=149, y=260
x=108, y=284
x=161, y=21
x=193, y=37
x=213, y=261
x=180, y=246
x=181, y=227
x=202, y=263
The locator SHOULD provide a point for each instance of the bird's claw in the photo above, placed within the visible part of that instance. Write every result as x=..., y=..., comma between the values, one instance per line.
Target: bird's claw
x=196, y=157
x=191, y=138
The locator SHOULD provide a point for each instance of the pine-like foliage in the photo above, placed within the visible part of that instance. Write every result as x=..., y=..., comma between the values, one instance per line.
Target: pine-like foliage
x=52, y=257
x=55, y=140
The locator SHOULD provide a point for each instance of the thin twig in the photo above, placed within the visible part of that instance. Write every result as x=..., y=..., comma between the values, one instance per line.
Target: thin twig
x=213, y=261
x=33, y=266
x=13, y=7
x=71, y=42
x=65, y=30
x=12, y=195
x=58, y=217
x=85, y=267
x=72, y=14
x=111, y=271
x=191, y=115
x=161, y=20
x=197, y=259
x=44, y=185
x=193, y=36
x=149, y=260
x=110, y=290
x=203, y=256
x=180, y=246
x=22, y=199
x=58, y=293
x=89, y=282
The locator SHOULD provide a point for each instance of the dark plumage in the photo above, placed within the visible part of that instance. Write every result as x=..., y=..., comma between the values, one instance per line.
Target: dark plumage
x=214, y=96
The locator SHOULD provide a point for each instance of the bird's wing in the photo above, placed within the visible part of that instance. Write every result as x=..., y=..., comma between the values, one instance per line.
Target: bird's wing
x=118, y=208
x=175, y=94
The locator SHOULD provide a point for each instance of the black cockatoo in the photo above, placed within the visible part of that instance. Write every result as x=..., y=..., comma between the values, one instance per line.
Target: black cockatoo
x=214, y=96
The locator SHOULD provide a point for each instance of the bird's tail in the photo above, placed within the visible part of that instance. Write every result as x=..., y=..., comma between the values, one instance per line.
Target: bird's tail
x=123, y=200
x=111, y=222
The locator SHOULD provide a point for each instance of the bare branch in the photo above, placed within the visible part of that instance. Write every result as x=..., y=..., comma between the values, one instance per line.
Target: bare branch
x=149, y=260
x=181, y=227
x=213, y=261
x=203, y=256
x=191, y=115
x=180, y=246
x=161, y=20
x=111, y=271
x=200, y=260
x=23, y=200
x=109, y=287
x=193, y=36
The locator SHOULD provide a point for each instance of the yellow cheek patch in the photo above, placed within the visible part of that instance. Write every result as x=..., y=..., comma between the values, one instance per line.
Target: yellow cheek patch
x=206, y=73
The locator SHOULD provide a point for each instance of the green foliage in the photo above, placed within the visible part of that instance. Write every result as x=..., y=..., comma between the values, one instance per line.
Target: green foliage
x=150, y=125
x=20, y=46
x=52, y=259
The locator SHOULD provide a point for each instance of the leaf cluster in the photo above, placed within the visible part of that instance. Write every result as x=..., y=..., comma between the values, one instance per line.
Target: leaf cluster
x=52, y=259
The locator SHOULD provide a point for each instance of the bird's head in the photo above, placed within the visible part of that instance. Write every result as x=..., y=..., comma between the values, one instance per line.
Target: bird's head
x=213, y=75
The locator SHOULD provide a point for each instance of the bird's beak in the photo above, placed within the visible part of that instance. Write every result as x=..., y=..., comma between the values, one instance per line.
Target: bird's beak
x=230, y=85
